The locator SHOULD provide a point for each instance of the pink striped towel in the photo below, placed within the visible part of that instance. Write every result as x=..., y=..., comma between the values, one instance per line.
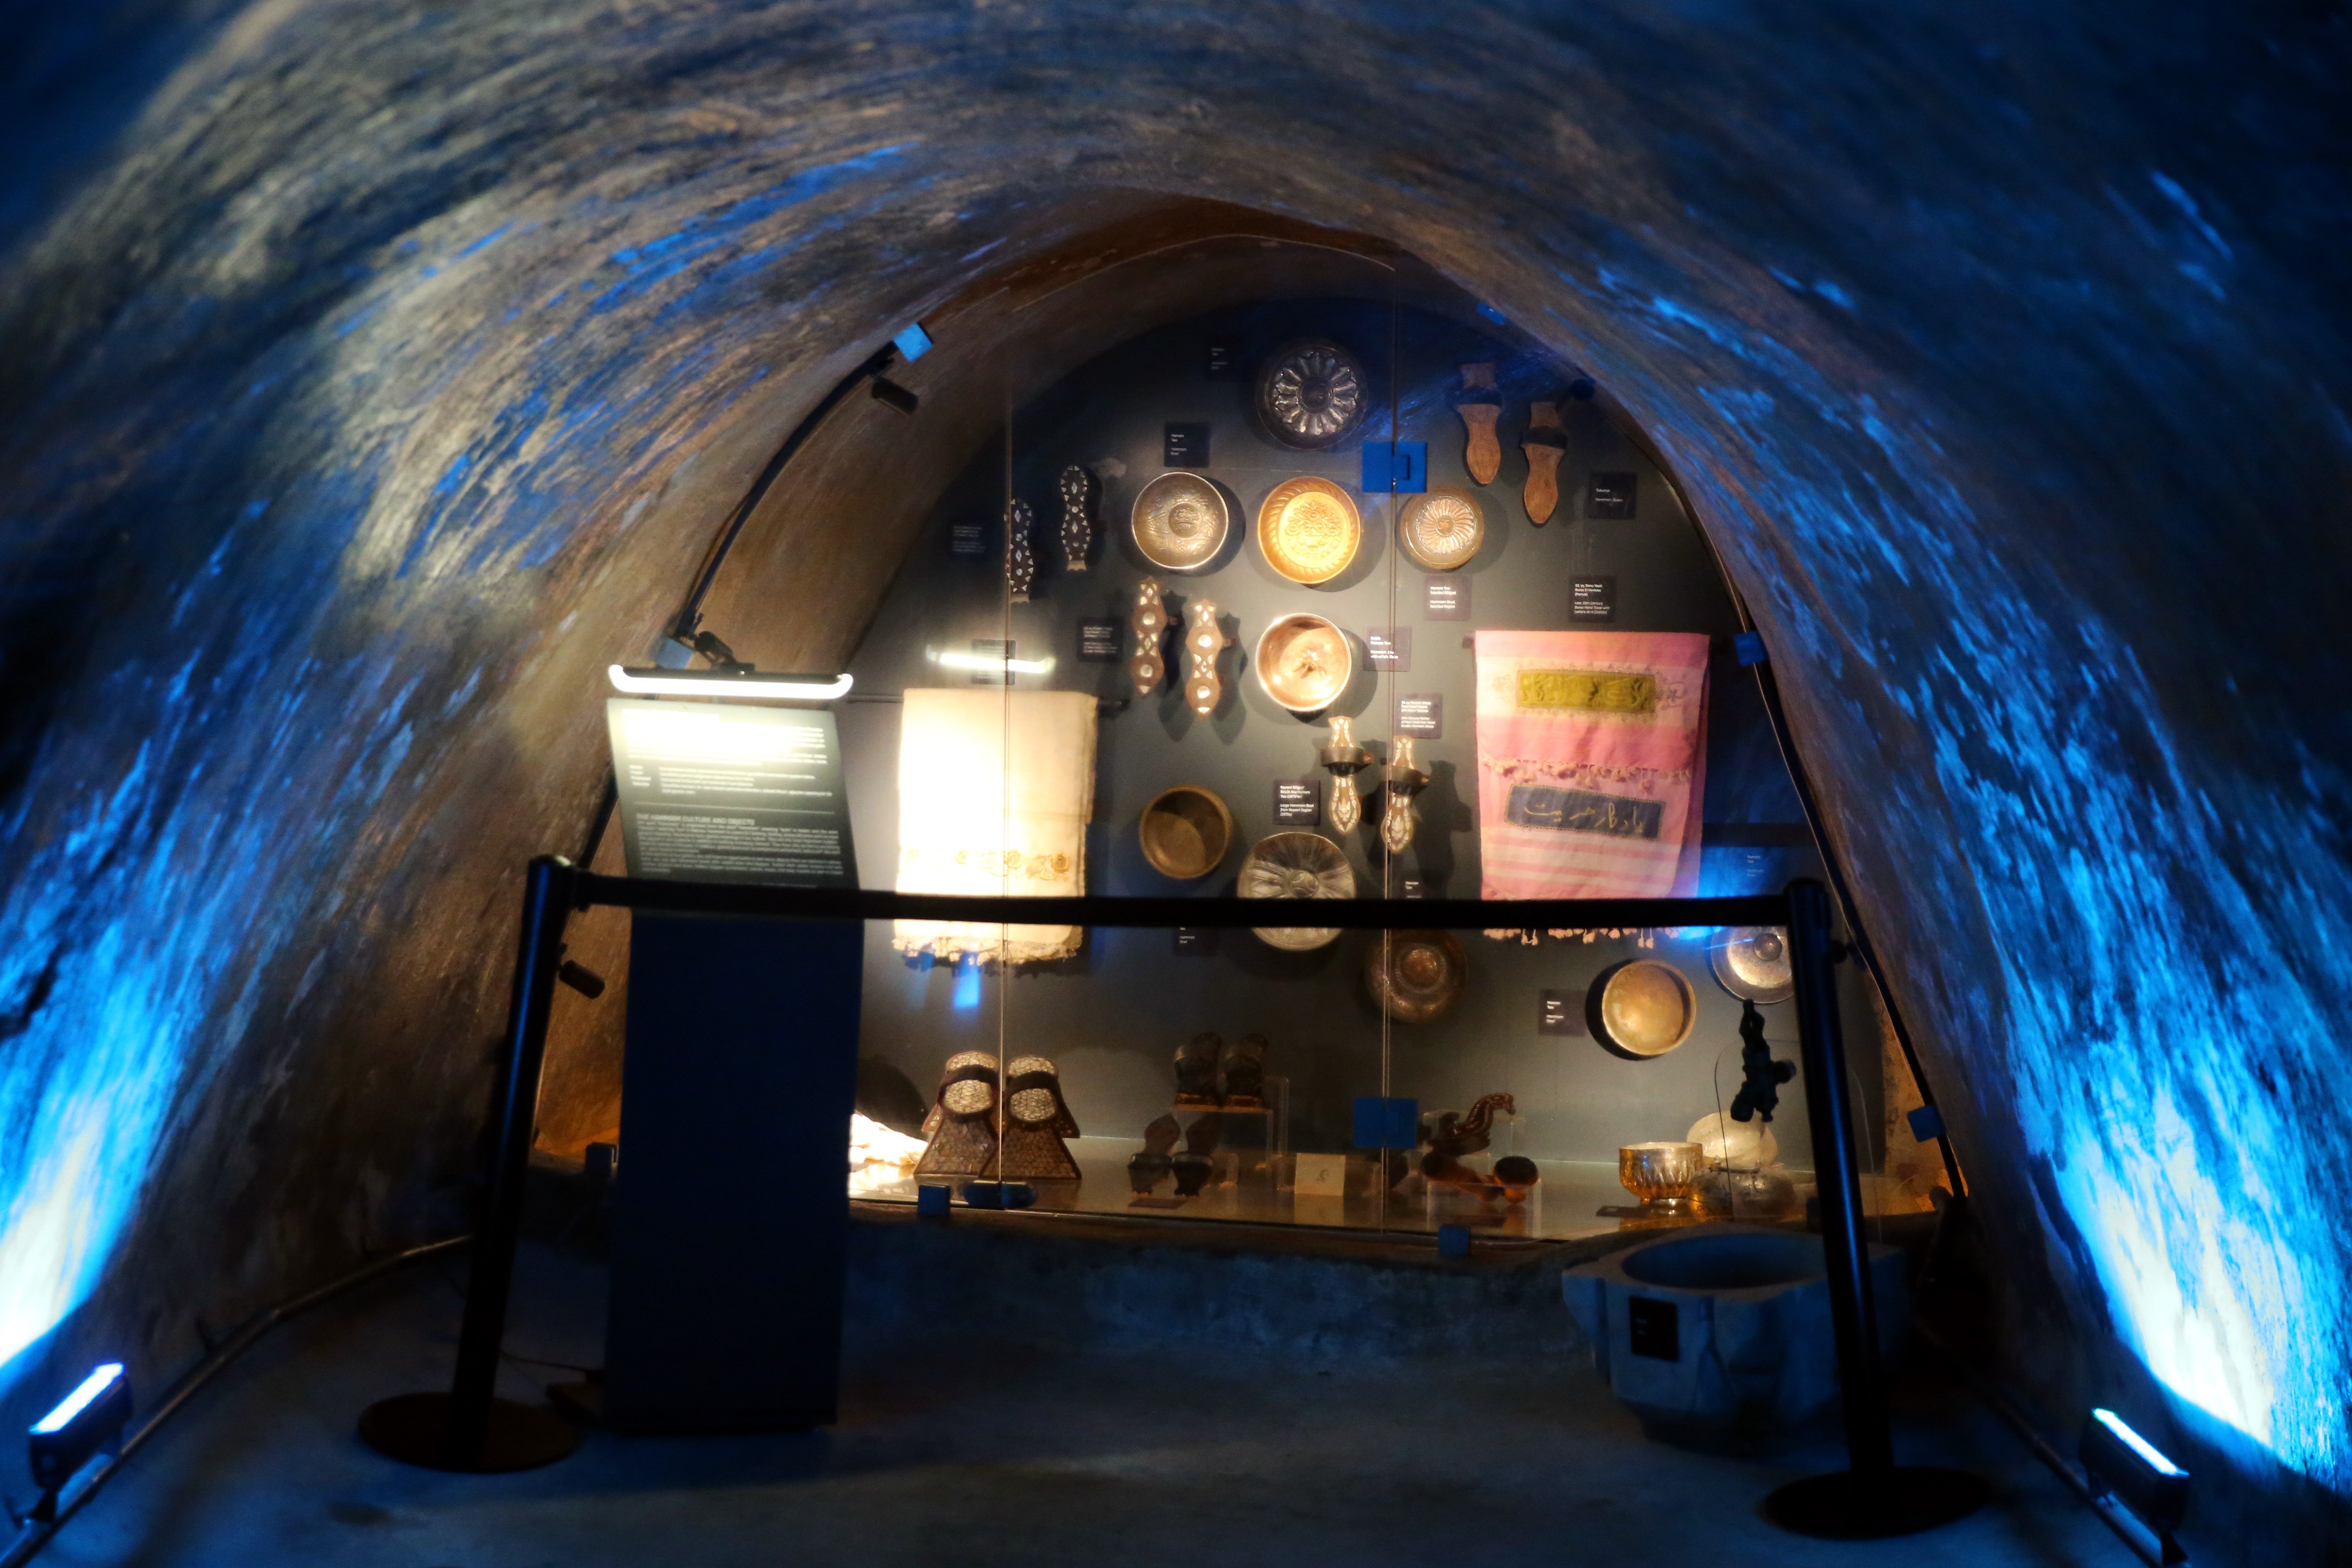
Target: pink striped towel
x=1592, y=763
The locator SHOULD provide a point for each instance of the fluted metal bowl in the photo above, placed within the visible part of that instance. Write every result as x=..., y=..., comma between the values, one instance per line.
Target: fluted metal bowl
x=1441, y=529
x=1296, y=866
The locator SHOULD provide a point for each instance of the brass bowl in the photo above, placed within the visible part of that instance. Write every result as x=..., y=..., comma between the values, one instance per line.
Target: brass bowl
x=1416, y=976
x=1296, y=866
x=1643, y=1007
x=1309, y=528
x=1185, y=832
x=1441, y=527
x=1304, y=662
x=1661, y=1173
x=1180, y=522
x=1752, y=964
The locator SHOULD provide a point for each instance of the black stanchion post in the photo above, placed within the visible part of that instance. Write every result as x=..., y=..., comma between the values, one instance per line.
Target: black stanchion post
x=1873, y=1497
x=1853, y=1314
x=469, y=1428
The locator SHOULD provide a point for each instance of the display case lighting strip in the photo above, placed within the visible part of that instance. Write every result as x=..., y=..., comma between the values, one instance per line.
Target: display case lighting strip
x=717, y=683
x=989, y=661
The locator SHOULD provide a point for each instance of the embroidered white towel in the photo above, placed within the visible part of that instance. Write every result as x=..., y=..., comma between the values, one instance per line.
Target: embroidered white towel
x=995, y=790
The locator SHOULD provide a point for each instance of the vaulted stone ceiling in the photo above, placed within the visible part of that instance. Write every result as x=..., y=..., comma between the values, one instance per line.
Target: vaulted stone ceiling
x=374, y=375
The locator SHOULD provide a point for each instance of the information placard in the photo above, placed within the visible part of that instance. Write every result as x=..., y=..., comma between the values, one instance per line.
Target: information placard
x=1298, y=803
x=712, y=792
x=1593, y=599
x=1392, y=647
x=1099, y=642
x=1422, y=715
x=1446, y=598
x=1184, y=445
x=1561, y=1012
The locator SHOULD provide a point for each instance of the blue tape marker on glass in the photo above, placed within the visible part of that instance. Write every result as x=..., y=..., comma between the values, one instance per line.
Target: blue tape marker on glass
x=1750, y=646
x=1492, y=315
x=912, y=342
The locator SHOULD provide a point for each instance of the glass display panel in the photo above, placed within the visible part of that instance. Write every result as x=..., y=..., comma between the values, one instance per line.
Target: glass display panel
x=1415, y=555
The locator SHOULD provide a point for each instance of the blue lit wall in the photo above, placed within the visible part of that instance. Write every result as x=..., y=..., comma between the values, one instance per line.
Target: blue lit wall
x=370, y=376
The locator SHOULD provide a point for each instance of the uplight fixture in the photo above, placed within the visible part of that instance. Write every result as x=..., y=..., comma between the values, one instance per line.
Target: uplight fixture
x=88, y=1421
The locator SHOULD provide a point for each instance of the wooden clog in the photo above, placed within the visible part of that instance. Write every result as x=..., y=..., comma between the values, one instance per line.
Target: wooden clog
x=1545, y=442
x=1480, y=404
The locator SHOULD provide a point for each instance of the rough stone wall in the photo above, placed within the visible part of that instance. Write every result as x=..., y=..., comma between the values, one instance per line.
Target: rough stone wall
x=370, y=375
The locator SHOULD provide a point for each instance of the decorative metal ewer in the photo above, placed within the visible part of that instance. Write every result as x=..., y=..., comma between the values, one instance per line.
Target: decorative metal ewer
x=1204, y=639
x=1344, y=759
x=1020, y=557
x=1402, y=781
x=1078, y=523
x=1147, y=667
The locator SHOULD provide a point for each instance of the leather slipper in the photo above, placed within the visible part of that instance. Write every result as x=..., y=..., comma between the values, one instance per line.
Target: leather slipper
x=1480, y=404
x=1545, y=442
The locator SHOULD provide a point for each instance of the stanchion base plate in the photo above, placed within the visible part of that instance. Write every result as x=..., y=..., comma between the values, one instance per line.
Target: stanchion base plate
x=1853, y=1505
x=412, y=1427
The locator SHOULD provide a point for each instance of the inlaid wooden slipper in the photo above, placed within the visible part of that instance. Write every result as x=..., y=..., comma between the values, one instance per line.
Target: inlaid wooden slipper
x=1544, y=442
x=1480, y=404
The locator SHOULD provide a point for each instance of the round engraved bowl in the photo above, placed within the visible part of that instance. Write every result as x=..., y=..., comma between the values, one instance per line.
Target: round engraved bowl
x=1752, y=964
x=1641, y=1008
x=1661, y=1173
x=1296, y=866
x=1310, y=393
x=1309, y=530
x=1180, y=522
x=1185, y=832
x=1304, y=662
x=1441, y=529
x=1416, y=976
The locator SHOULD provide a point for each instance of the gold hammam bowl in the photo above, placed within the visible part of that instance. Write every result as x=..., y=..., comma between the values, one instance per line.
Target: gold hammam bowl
x=1185, y=832
x=1643, y=1008
x=1441, y=529
x=1309, y=530
x=1304, y=662
x=1180, y=522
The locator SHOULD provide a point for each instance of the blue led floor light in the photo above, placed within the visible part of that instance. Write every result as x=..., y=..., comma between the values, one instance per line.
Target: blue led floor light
x=2120, y=1463
x=89, y=1422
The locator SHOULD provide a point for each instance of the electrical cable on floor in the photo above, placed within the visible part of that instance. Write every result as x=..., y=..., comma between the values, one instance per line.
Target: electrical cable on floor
x=37, y=1533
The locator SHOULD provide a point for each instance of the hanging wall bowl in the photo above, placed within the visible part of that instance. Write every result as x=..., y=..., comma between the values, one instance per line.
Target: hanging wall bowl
x=1441, y=527
x=1641, y=1007
x=1185, y=832
x=1310, y=393
x=1296, y=866
x=1309, y=530
x=1304, y=662
x=1180, y=522
x=1416, y=976
x=1752, y=964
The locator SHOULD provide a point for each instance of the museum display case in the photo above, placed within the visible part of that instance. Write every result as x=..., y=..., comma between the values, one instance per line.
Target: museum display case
x=1324, y=594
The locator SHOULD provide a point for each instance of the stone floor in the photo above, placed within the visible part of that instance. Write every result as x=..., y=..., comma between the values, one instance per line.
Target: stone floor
x=1000, y=1452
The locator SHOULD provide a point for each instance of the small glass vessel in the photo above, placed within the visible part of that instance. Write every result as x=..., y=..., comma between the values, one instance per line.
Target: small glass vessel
x=1665, y=1175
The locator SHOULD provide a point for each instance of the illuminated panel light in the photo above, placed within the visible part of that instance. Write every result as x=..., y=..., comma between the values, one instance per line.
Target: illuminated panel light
x=719, y=683
x=991, y=662
x=2121, y=1461
x=90, y=1418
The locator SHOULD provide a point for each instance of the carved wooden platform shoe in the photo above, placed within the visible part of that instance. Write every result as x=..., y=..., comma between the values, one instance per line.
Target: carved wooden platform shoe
x=1480, y=404
x=1545, y=442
